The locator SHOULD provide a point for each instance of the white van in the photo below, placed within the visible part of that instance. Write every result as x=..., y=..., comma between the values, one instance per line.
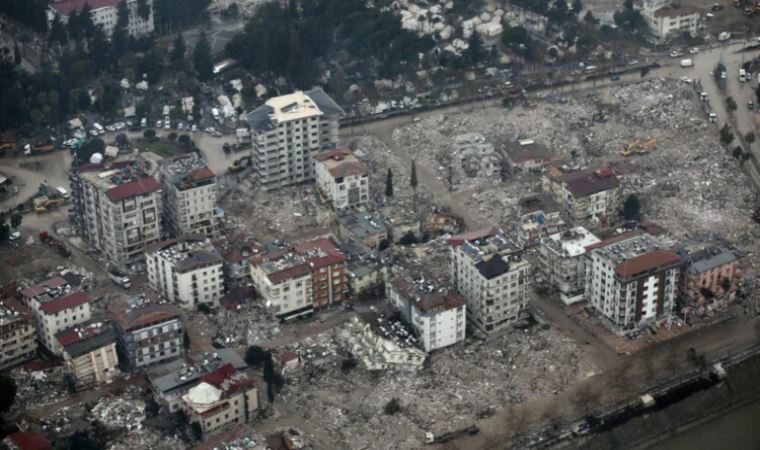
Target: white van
x=62, y=192
x=742, y=75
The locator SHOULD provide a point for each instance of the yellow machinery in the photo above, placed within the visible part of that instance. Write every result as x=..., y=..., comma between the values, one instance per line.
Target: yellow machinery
x=646, y=146
x=628, y=150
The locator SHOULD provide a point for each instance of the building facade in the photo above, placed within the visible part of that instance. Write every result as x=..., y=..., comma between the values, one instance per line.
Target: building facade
x=104, y=13
x=286, y=133
x=89, y=352
x=57, y=314
x=342, y=178
x=537, y=217
x=586, y=197
x=224, y=397
x=328, y=271
x=709, y=279
x=18, y=334
x=189, y=196
x=438, y=315
x=563, y=264
x=187, y=271
x=493, y=278
x=666, y=19
x=148, y=334
x=116, y=209
x=283, y=280
x=631, y=282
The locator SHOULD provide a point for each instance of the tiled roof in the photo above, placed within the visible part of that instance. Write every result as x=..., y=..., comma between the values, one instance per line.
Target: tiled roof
x=472, y=235
x=217, y=377
x=201, y=174
x=132, y=189
x=648, y=261
x=590, y=181
x=77, y=343
x=292, y=272
x=141, y=317
x=447, y=301
x=59, y=304
x=332, y=254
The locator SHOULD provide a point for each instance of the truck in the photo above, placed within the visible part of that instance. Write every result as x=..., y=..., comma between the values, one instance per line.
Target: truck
x=119, y=278
x=431, y=438
x=724, y=36
x=687, y=62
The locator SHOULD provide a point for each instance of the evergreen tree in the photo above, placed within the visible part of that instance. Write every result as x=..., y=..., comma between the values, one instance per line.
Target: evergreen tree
x=389, y=184
x=413, y=183
x=57, y=31
x=16, y=54
x=122, y=15
x=202, y=58
x=7, y=390
x=178, y=52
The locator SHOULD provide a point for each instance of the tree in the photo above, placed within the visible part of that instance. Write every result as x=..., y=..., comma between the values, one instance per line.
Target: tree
x=756, y=215
x=16, y=54
x=88, y=149
x=577, y=7
x=731, y=104
x=178, y=50
x=197, y=430
x=392, y=407
x=475, y=50
x=202, y=58
x=590, y=19
x=389, y=184
x=413, y=183
x=184, y=140
x=644, y=71
x=7, y=393
x=749, y=137
x=122, y=15
x=149, y=134
x=718, y=71
x=632, y=207
x=143, y=9
x=186, y=342
x=408, y=239
x=738, y=152
x=255, y=355
x=726, y=135
x=348, y=364
x=172, y=136
x=57, y=31
x=15, y=221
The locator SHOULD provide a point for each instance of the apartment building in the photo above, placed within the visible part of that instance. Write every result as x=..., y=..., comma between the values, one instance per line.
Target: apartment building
x=328, y=271
x=437, y=313
x=492, y=276
x=56, y=314
x=287, y=131
x=89, y=352
x=631, y=281
x=586, y=197
x=538, y=216
x=147, y=334
x=283, y=279
x=362, y=228
x=170, y=381
x=342, y=178
x=116, y=209
x=189, y=196
x=104, y=13
x=666, y=19
x=224, y=397
x=563, y=264
x=187, y=271
x=709, y=279
x=18, y=334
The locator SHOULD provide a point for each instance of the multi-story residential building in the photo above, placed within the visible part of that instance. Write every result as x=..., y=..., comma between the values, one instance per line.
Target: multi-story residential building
x=492, y=276
x=283, y=279
x=189, y=196
x=362, y=228
x=186, y=271
x=666, y=19
x=342, y=178
x=104, y=13
x=17, y=333
x=709, y=279
x=537, y=217
x=437, y=313
x=147, y=334
x=224, y=397
x=89, y=352
x=116, y=209
x=590, y=196
x=328, y=271
x=56, y=314
x=170, y=381
x=563, y=264
x=366, y=277
x=631, y=281
x=286, y=133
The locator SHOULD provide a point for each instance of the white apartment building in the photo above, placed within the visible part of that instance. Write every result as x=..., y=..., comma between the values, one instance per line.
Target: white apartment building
x=189, y=196
x=283, y=279
x=57, y=314
x=437, y=315
x=493, y=278
x=287, y=131
x=666, y=19
x=342, y=178
x=116, y=209
x=186, y=271
x=631, y=281
x=562, y=262
x=104, y=13
x=17, y=333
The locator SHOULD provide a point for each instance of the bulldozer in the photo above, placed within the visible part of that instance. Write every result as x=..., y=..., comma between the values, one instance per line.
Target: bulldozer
x=628, y=149
x=643, y=149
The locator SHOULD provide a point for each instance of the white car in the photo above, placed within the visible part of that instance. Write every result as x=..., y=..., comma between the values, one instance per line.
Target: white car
x=93, y=132
x=15, y=235
x=194, y=128
x=694, y=50
x=675, y=54
x=633, y=62
x=686, y=80
x=110, y=128
x=167, y=125
x=180, y=126
x=120, y=125
x=143, y=122
x=158, y=124
x=210, y=130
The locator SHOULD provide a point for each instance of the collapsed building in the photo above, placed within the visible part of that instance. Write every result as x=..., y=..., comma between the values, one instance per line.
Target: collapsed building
x=538, y=216
x=362, y=228
x=376, y=352
x=709, y=279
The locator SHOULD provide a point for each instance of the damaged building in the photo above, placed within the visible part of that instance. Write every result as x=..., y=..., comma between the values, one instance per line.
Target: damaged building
x=328, y=271
x=283, y=279
x=563, y=264
x=526, y=154
x=147, y=333
x=342, y=178
x=538, y=216
x=89, y=352
x=587, y=197
x=709, y=279
x=18, y=333
x=376, y=352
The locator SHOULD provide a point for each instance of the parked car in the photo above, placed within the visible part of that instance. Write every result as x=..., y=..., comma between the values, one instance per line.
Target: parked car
x=686, y=80
x=614, y=77
x=158, y=124
x=143, y=122
x=694, y=50
x=750, y=105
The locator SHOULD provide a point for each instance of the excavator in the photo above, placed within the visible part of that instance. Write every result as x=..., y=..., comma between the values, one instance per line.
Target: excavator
x=644, y=148
x=628, y=150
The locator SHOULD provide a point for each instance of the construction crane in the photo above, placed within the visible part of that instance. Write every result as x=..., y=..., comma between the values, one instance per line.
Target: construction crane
x=628, y=150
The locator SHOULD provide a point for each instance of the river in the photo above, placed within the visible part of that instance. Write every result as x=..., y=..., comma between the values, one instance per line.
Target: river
x=737, y=430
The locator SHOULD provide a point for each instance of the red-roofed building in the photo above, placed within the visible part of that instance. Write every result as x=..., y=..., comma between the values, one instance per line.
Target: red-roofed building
x=631, y=281
x=225, y=397
x=342, y=178
x=328, y=271
x=104, y=14
x=56, y=314
x=27, y=440
x=89, y=352
x=586, y=197
x=283, y=279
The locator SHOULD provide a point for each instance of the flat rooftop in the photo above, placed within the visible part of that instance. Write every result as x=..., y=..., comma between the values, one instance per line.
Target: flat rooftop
x=281, y=265
x=637, y=255
x=119, y=180
x=295, y=106
x=187, y=171
x=572, y=242
x=479, y=244
x=187, y=253
x=11, y=311
x=362, y=224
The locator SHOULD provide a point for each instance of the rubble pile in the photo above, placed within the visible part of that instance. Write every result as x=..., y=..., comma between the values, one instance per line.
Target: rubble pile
x=250, y=324
x=39, y=387
x=125, y=411
x=147, y=439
